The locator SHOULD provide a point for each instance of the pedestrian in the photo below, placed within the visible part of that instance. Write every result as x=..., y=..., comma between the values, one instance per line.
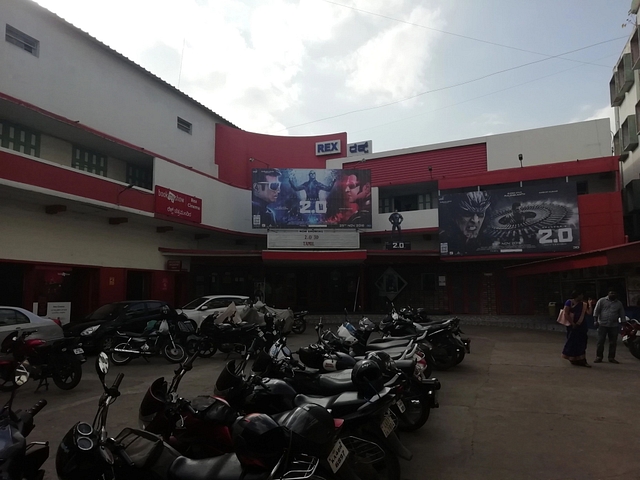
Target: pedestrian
x=575, y=348
x=607, y=314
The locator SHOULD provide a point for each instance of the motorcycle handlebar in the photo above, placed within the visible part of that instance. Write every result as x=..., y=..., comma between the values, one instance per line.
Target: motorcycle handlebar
x=33, y=411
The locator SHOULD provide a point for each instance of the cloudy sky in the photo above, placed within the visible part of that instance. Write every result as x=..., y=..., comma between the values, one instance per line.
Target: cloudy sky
x=399, y=72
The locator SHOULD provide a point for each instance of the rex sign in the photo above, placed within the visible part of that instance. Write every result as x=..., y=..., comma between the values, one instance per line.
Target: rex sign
x=330, y=147
x=180, y=205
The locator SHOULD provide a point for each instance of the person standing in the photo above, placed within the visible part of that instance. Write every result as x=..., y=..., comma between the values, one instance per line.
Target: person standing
x=575, y=348
x=608, y=310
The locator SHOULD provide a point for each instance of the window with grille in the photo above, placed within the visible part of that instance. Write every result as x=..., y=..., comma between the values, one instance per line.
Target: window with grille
x=139, y=176
x=88, y=161
x=20, y=139
x=21, y=40
x=184, y=125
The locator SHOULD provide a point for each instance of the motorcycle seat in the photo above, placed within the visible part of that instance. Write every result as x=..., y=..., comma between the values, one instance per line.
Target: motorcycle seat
x=136, y=336
x=336, y=382
x=345, y=400
x=388, y=344
x=224, y=467
x=387, y=339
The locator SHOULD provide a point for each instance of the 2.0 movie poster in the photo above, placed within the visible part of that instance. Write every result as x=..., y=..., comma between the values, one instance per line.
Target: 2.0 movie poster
x=517, y=220
x=297, y=198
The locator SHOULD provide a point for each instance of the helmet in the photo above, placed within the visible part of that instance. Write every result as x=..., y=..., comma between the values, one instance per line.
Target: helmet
x=312, y=427
x=367, y=377
x=311, y=356
x=384, y=361
x=347, y=332
x=366, y=325
x=259, y=441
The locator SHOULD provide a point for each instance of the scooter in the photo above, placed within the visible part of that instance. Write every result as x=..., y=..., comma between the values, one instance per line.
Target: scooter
x=630, y=331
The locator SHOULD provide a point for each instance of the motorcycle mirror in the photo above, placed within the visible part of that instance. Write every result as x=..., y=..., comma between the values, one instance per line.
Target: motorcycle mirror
x=102, y=366
x=21, y=375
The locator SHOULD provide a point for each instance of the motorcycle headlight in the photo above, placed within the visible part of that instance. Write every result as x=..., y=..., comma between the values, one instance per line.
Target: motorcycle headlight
x=89, y=331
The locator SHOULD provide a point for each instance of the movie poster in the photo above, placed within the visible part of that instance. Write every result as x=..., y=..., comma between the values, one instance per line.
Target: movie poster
x=517, y=220
x=318, y=198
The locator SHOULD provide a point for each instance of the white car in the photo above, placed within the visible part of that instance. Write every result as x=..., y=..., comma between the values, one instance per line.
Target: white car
x=16, y=318
x=202, y=307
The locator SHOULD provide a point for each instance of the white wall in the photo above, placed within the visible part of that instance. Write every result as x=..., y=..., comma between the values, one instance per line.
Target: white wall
x=79, y=79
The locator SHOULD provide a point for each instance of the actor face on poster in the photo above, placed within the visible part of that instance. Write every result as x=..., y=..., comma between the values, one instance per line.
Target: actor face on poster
x=311, y=198
x=494, y=221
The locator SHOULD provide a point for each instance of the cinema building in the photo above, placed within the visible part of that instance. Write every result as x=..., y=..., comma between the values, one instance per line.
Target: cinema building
x=115, y=185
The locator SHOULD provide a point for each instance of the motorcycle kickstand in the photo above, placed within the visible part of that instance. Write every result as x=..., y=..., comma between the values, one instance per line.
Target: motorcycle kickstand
x=43, y=381
x=145, y=358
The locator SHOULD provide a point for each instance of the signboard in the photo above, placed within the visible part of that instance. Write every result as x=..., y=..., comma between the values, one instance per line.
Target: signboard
x=293, y=198
x=174, y=265
x=315, y=239
x=330, y=147
x=518, y=220
x=359, y=148
x=398, y=245
x=56, y=311
x=179, y=205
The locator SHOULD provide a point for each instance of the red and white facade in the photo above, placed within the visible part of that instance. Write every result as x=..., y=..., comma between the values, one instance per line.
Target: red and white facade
x=114, y=185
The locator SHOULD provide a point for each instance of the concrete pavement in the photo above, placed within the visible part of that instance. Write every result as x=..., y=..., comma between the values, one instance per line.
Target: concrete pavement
x=513, y=409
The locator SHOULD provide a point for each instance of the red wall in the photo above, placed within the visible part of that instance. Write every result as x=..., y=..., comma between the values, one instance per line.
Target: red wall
x=601, y=223
x=40, y=174
x=162, y=287
x=234, y=147
x=414, y=167
x=113, y=285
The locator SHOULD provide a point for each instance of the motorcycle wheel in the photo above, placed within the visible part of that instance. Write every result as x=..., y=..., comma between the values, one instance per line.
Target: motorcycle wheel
x=446, y=359
x=120, y=358
x=6, y=378
x=460, y=355
x=416, y=413
x=174, y=354
x=299, y=325
x=67, y=374
x=107, y=343
x=207, y=349
x=370, y=462
x=634, y=347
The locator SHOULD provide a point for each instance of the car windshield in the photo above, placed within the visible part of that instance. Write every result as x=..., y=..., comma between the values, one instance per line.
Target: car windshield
x=103, y=312
x=195, y=303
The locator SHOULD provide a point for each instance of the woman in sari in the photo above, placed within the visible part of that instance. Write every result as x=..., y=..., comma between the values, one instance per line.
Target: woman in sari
x=575, y=348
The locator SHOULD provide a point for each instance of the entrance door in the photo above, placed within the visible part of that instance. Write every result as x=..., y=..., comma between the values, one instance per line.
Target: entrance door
x=138, y=285
x=11, y=284
x=465, y=293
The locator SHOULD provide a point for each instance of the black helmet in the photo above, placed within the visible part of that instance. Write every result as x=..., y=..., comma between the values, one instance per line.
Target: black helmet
x=312, y=427
x=259, y=441
x=367, y=377
x=384, y=361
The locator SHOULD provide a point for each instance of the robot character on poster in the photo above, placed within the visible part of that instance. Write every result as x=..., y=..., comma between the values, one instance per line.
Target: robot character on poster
x=312, y=198
x=518, y=220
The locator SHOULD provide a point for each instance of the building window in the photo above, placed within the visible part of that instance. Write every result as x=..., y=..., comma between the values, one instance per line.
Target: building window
x=22, y=40
x=582, y=187
x=184, y=125
x=88, y=161
x=20, y=139
x=139, y=176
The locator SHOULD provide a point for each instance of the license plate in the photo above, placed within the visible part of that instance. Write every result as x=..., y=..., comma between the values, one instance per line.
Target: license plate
x=387, y=425
x=260, y=334
x=401, y=406
x=78, y=351
x=337, y=456
x=625, y=338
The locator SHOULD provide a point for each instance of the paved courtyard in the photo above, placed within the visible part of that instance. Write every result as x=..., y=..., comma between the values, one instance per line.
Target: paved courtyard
x=512, y=410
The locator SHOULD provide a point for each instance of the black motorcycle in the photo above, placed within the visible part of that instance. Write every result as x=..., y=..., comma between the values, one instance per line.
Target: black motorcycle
x=60, y=360
x=302, y=443
x=19, y=460
x=160, y=338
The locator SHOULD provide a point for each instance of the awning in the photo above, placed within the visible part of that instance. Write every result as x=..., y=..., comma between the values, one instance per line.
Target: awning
x=351, y=256
x=625, y=253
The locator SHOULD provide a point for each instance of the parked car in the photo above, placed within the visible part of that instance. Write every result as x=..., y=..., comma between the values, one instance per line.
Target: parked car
x=202, y=307
x=16, y=318
x=96, y=331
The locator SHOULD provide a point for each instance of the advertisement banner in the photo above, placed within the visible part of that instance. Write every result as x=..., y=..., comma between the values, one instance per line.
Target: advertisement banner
x=518, y=220
x=319, y=198
x=177, y=204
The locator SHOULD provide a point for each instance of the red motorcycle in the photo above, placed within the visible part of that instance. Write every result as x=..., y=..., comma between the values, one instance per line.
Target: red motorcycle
x=60, y=360
x=630, y=332
x=200, y=428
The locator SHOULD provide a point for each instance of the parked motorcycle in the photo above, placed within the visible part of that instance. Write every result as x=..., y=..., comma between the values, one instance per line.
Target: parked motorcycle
x=630, y=331
x=19, y=460
x=303, y=442
x=158, y=339
x=60, y=360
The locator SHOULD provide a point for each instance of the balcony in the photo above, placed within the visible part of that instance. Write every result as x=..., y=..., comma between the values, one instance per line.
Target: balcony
x=629, y=135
